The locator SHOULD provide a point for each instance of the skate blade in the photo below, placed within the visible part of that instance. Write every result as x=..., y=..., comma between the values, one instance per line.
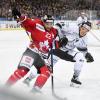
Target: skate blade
x=75, y=85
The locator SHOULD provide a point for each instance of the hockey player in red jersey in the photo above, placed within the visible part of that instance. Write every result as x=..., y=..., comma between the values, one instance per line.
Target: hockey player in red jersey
x=41, y=35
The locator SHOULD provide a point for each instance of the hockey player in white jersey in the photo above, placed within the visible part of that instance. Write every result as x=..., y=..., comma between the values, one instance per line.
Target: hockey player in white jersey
x=76, y=38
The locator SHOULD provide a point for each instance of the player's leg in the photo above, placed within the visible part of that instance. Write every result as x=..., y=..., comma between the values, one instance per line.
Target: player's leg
x=42, y=78
x=32, y=75
x=24, y=65
x=17, y=75
x=79, y=58
x=72, y=56
x=44, y=74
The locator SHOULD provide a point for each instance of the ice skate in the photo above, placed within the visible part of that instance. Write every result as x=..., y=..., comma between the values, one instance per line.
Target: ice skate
x=75, y=82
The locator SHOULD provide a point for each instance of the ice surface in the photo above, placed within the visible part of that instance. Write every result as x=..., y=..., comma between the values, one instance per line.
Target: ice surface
x=12, y=45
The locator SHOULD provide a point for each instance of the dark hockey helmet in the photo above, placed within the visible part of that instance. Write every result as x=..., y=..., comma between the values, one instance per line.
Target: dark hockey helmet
x=87, y=25
x=48, y=18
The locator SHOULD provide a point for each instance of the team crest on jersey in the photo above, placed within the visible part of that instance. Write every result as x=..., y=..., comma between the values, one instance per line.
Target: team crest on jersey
x=40, y=27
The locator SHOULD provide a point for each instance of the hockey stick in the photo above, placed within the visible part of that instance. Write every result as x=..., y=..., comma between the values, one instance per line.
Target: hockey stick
x=52, y=78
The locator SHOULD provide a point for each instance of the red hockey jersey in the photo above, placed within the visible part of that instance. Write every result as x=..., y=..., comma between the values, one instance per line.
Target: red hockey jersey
x=40, y=37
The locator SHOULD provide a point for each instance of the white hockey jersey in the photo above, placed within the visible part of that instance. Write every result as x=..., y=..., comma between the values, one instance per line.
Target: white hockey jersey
x=74, y=40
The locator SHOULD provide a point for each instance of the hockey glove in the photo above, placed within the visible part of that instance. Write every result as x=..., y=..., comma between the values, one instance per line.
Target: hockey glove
x=15, y=13
x=63, y=41
x=89, y=57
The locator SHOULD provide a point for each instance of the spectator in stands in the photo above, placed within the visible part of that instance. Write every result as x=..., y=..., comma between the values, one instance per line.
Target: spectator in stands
x=57, y=8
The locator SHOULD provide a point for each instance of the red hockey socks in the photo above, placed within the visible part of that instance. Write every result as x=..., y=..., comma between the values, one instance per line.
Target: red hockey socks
x=42, y=78
x=18, y=74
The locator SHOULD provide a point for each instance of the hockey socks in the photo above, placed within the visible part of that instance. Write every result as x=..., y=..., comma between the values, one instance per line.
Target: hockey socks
x=42, y=78
x=18, y=74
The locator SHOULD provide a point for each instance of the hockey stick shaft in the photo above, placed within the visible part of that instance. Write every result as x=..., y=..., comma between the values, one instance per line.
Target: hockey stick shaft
x=52, y=78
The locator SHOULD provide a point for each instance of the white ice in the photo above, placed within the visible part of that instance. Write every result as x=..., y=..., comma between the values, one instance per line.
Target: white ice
x=12, y=45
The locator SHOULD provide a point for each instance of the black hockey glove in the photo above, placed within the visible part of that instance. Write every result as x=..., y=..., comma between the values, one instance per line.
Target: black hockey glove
x=89, y=57
x=15, y=13
x=63, y=41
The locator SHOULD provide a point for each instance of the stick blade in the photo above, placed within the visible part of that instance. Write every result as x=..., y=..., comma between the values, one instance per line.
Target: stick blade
x=58, y=98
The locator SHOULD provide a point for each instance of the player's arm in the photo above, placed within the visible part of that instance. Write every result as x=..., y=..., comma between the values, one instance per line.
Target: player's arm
x=61, y=40
x=81, y=45
x=22, y=19
x=15, y=13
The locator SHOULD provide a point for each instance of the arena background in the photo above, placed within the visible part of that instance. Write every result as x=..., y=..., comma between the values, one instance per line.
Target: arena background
x=64, y=11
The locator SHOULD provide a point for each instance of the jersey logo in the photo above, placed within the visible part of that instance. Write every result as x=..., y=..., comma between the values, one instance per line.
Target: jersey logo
x=49, y=36
x=44, y=46
x=40, y=27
